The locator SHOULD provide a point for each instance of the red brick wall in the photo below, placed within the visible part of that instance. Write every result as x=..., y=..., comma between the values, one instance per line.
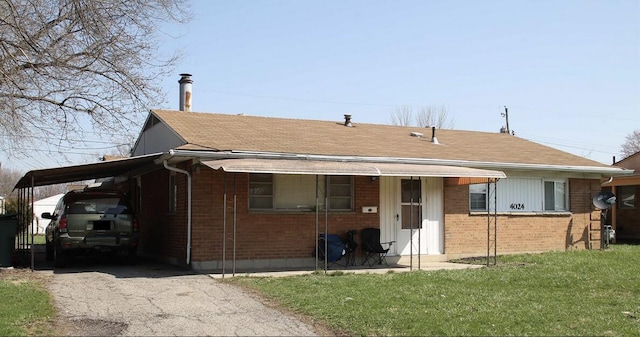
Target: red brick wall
x=280, y=235
x=163, y=233
x=259, y=235
x=466, y=234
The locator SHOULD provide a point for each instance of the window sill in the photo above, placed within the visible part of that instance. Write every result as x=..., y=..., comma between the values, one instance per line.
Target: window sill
x=540, y=213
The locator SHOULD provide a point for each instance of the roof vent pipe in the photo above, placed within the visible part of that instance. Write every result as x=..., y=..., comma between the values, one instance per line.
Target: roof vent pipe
x=185, y=92
x=433, y=135
x=347, y=120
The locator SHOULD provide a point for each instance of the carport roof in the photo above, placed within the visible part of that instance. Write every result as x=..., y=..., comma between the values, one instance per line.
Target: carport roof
x=104, y=169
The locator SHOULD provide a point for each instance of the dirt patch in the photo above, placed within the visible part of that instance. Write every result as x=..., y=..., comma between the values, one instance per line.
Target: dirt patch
x=92, y=327
x=482, y=260
x=19, y=275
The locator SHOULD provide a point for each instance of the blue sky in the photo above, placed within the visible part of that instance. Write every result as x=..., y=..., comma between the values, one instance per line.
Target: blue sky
x=569, y=71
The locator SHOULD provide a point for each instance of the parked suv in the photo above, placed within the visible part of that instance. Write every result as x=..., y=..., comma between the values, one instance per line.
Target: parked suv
x=88, y=221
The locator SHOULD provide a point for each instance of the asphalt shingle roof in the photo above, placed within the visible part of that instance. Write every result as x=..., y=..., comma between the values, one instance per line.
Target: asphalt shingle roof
x=211, y=131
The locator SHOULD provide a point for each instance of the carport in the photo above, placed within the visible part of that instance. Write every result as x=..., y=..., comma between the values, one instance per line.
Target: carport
x=118, y=169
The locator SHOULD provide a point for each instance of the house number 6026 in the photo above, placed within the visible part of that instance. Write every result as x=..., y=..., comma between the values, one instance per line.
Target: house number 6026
x=516, y=206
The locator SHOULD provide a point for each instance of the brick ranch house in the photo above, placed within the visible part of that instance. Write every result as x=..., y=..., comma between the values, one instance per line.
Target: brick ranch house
x=258, y=189
x=210, y=188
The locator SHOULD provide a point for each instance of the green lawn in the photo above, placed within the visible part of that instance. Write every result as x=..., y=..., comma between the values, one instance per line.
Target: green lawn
x=575, y=293
x=38, y=239
x=25, y=305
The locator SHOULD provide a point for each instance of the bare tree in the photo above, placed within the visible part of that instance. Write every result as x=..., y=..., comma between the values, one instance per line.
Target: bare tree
x=402, y=116
x=631, y=144
x=8, y=179
x=70, y=67
x=430, y=116
x=424, y=117
x=46, y=191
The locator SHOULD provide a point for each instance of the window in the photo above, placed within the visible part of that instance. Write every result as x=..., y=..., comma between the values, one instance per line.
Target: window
x=478, y=197
x=626, y=198
x=340, y=191
x=411, y=198
x=295, y=192
x=555, y=196
x=261, y=191
x=173, y=193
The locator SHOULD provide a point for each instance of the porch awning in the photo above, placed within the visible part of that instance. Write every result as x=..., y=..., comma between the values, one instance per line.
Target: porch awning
x=287, y=166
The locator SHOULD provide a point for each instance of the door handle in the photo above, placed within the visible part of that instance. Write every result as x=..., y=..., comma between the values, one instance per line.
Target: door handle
x=397, y=217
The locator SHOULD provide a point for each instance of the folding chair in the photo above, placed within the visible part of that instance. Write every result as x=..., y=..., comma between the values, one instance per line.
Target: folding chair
x=372, y=249
x=350, y=246
x=334, y=246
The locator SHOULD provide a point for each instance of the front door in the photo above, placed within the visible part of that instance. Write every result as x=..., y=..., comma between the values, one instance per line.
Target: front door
x=410, y=216
x=412, y=206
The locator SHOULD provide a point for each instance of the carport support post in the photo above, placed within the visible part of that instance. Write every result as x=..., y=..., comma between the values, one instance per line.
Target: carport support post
x=410, y=224
x=495, y=218
x=235, y=219
x=488, y=223
x=326, y=223
x=33, y=260
x=420, y=228
x=224, y=223
x=317, y=218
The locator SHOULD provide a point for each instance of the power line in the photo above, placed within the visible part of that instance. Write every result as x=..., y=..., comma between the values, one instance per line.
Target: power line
x=303, y=99
x=568, y=143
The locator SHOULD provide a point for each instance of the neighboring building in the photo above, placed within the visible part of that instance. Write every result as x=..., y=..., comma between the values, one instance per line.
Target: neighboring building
x=44, y=205
x=624, y=217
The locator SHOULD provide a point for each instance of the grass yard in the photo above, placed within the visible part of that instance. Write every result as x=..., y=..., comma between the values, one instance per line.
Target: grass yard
x=578, y=293
x=25, y=305
x=38, y=239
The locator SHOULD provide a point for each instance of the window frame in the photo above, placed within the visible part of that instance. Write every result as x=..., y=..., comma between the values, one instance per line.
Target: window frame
x=330, y=193
x=565, y=195
x=334, y=186
x=255, y=197
x=486, y=198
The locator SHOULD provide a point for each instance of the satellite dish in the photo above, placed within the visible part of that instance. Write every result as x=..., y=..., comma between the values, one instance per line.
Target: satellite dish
x=604, y=200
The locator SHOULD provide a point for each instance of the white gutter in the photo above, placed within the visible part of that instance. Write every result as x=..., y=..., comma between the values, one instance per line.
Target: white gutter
x=609, y=171
x=174, y=169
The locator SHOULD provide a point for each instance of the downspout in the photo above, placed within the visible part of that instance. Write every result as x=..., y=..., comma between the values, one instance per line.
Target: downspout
x=174, y=169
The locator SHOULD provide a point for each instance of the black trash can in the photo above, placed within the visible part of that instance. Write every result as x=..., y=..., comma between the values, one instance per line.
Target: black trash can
x=8, y=231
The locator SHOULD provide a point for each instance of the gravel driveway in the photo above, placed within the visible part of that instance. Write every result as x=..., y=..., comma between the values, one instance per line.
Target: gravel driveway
x=153, y=299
